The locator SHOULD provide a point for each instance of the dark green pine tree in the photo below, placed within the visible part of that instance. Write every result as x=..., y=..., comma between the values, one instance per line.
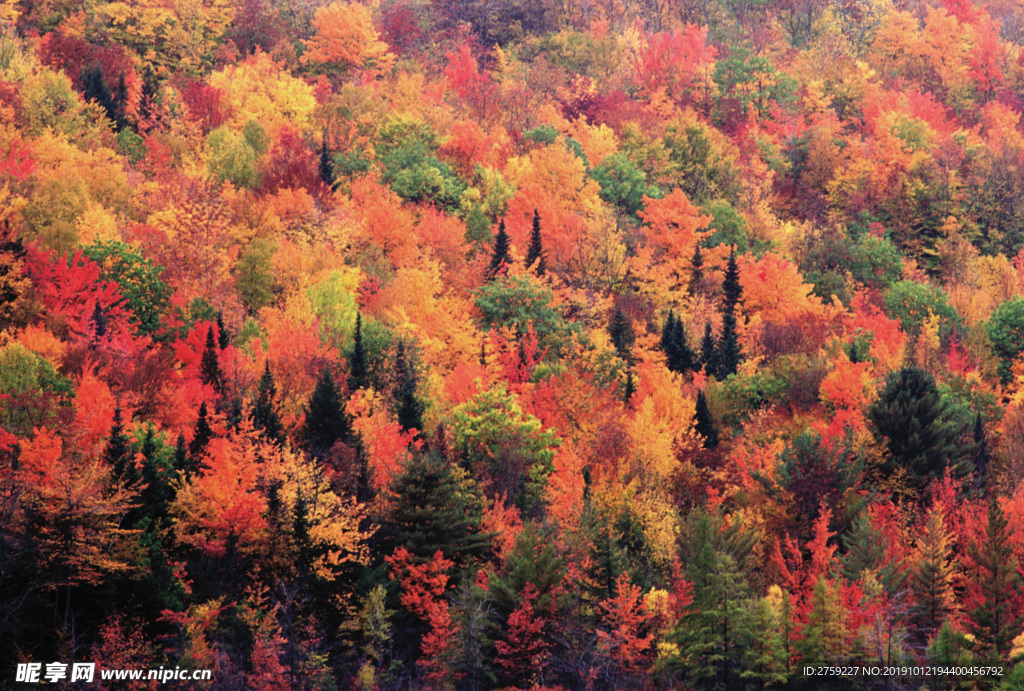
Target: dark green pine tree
x=181, y=464
x=223, y=337
x=620, y=329
x=709, y=351
x=264, y=415
x=201, y=436
x=714, y=636
x=535, y=253
x=994, y=620
x=94, y=88
x=679, y=356
x=731, y=287
x=729, y=346
x=704, y=422
x=235, y=414
x=865, y=553
x=629, y=388
x=209, y=369
x=120, y=99
x=358, y=377
x=436, y=506
x=326, y=422
x=325, y=166
x=921, y=432
x=500, y=257
x=410, y=410
x=697, y=274
x=156, y=492
x=118, y=452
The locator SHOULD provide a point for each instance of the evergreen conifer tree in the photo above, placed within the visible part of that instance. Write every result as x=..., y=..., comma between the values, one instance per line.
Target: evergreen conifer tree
x=410, y=410
x=728, y=346
x=223, y=337
x=264, y=413
x=620, y=329
x=994, y=619
x=500, y=256
x=436, y=506
x=201, y=436
x=535, y=252
x=118, y=452
x=704, y=423
x=357, y=378
x=866, y=554
x=209, y=367
x=181, y=464
x=697, y=275
x=325, y=164
x=921, y=432
x=715, y=634
x=326, y=422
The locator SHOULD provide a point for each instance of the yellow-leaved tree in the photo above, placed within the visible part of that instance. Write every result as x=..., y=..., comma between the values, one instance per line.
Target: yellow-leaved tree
x=345, y=39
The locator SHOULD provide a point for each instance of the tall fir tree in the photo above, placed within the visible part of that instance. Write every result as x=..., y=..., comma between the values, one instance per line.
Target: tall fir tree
x=436, y=506
x=325, y=164
x=995, y=616
x=923, y=434
x=714, y=635
x=679, y=356
x=500, y=257
x=410, y=410
x=209, y=367
x=181, y=464
x=264, y=415
x=535, y=252
x=358, y=377
x=201, y=436
x=697, y=273
x=866, y=555
x=118, y=452
x=223, y=337
x=620, y=329
x=704, y=422
x=326, y=422
x=931, y=577
x=729, y=346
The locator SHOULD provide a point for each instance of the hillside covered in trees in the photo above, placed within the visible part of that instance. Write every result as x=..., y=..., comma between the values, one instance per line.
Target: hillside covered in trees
x=567, y=344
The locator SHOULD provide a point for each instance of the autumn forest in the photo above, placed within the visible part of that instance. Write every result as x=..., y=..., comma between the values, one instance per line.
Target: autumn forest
x=513, y=344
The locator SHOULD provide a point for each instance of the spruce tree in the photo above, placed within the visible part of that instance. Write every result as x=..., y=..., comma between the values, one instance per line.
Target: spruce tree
x=410, y=410
x=931, y=579
x=264, y=415
x=357, y=378
x=697, y=275
x=210, y=373
x=500, y=257
x=436, y=506
x=156, y=493
x=629, y=388
x=94, y=88
x=994, y=619
x=866, y=554
x=99, y=321
x=620, y=329
x=181, y=464
x=729, y=347
x=679, y=356
x=325, y=165
x=668, y=342
x=731, y=286
x=704, y=423
x=535, y=253
x=223, y=337
x=714, y=635
x=118, y=452
x=921, y=432
x=201, y=436
x=326, y=422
